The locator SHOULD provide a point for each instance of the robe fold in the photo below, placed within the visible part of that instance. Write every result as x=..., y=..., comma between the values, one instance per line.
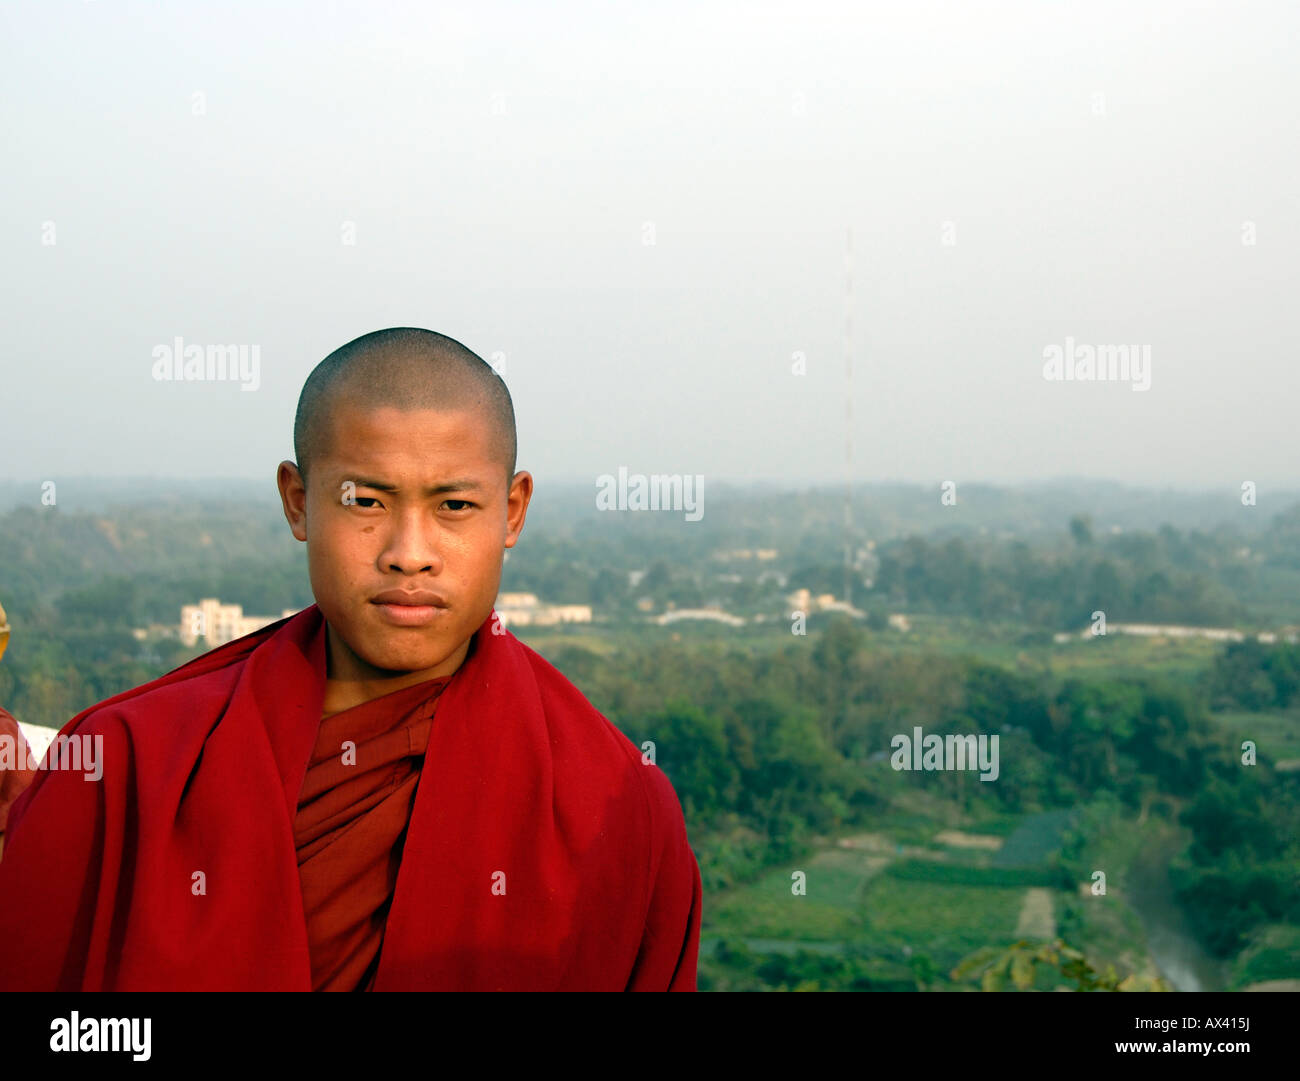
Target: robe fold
x=353, y=812
x=541, y=853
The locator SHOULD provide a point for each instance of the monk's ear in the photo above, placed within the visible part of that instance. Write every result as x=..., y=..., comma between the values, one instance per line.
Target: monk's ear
x=293, y=497
x=517, y=499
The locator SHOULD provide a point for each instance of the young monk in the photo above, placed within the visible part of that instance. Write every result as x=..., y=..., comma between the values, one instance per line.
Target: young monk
x=386, y=791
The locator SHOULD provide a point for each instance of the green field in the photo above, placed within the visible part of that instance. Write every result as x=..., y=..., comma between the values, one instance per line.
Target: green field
x=903, y=904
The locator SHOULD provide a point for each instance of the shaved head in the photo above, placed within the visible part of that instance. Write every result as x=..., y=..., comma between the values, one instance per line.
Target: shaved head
x=405, y=368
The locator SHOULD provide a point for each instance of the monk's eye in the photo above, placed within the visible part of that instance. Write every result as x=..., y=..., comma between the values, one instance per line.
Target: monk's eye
x=463, y=504
x=365, y=501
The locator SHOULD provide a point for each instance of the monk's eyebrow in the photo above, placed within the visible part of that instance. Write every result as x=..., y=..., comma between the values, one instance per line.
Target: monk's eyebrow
x=464, y=485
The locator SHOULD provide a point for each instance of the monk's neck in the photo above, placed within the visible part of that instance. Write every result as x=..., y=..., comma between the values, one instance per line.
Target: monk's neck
x=350, y=681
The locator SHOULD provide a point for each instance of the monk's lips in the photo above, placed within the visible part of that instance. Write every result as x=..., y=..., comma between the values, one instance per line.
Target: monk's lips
x=409, y=615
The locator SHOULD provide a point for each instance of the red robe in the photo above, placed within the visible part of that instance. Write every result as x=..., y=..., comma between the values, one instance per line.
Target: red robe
x=353, y=813
x=541, y=854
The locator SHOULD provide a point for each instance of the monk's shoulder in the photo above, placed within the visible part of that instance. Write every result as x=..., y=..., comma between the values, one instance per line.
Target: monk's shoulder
x=576, y=724
x=597, y=751
x=174, y=704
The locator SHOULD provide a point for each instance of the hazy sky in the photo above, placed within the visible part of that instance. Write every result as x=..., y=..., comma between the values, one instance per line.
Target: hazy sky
x=1013, y=176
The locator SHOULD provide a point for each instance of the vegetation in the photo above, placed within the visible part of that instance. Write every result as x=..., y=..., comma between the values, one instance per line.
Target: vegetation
x=778, y=744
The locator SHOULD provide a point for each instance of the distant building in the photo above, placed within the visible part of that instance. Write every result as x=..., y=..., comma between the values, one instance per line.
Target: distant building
x=219, y=623
x=525, y=610
x=764, y=555
x=802, y=600
x=827, y=603
x=155, y=630
x=1168, y=630
x=717, y=615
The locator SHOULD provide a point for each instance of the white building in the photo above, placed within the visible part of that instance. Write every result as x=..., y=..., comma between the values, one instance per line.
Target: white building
x=219, y=623
x=802, y=600
x=525, y=610
x=715, y=614
x=1168, y=630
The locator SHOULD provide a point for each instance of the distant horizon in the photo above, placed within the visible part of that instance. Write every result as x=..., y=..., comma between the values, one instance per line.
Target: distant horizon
x=833, y=484
x=1030, y=507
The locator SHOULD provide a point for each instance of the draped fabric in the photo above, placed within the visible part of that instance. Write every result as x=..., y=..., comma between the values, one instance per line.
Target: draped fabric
x=353, y=812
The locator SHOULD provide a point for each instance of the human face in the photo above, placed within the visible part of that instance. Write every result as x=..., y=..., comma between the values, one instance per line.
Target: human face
x=413, y=501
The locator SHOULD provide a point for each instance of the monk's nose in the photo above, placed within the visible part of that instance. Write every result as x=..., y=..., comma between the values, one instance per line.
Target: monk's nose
x=412, y=547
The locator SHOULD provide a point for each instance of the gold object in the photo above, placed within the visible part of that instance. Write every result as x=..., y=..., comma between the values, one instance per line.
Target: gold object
x=4, y=630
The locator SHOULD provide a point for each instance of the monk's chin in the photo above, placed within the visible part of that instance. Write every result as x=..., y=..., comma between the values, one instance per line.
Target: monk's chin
x=418, y=659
